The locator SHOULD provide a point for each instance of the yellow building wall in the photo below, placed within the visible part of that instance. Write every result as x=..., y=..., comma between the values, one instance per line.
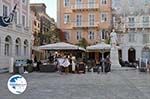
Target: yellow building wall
x=69, y=27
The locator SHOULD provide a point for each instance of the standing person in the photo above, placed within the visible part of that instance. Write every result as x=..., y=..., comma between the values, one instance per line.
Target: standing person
x=108, y=64
x=35, y=59
x=66, y=64
x=35, y=63
x=148, y=66
x=73, y=64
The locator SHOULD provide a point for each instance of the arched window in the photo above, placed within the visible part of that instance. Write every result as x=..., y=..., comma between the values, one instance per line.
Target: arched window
x=18, y=47
x=8, y=45
x=25, y=47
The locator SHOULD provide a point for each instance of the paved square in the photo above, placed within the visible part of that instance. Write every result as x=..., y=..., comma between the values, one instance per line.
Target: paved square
x=122, y=84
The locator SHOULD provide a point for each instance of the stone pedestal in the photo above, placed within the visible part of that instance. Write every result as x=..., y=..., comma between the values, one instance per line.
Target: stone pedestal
x=114, y=58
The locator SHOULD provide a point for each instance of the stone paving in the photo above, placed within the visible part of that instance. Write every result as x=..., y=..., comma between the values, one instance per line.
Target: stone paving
x=119, y=84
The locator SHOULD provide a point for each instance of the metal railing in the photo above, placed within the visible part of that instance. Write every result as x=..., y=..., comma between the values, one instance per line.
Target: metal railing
x=138, y=25
x=85, y=6
x=85, y=24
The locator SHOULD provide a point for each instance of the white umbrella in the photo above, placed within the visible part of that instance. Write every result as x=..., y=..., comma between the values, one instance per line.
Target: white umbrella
x=61, y=46
x=101, y=47
x=98, y=47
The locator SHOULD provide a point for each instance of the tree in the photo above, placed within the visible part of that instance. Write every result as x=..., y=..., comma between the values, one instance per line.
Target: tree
x=82, y=43
x=51, y=36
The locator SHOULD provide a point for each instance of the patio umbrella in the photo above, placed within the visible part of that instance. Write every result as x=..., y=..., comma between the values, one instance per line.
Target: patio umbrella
x=61, y=46
x=100, y=47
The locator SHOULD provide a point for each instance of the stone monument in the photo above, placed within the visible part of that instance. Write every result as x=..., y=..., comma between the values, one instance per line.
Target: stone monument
x=114, y=51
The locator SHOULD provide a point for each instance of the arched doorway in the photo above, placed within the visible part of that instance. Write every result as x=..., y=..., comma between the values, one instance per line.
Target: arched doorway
x=146, y=52
x=131, y=55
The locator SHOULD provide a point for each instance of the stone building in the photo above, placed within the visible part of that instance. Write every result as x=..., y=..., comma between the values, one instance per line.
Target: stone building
x=15, y=40
x=132, y=18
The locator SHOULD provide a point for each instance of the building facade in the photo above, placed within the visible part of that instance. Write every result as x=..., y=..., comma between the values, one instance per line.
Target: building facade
x=46, y=23
x=136, y=42
x=134, y=23
x=88, y=19
x=15, y=40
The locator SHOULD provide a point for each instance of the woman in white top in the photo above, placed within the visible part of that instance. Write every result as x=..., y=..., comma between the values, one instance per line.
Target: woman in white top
x=73, y=64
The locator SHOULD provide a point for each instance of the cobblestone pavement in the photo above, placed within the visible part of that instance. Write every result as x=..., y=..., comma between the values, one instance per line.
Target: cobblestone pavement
x=122, y=84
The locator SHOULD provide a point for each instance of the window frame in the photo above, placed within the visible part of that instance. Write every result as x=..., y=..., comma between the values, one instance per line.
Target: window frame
x=7, y=10
x=91, y=35
x=91, y=19
x=79, y=20
x=66, y=18
x=103, y=2
x=132, y=37
x=66, y=3
x=104, y=17
x=79, y=35
x=23, y=20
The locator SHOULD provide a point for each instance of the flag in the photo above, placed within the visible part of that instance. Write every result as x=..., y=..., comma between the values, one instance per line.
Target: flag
x=5, y=21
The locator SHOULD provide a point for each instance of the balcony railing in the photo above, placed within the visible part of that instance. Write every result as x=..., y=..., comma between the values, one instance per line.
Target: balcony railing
x=85, y=24
x=18, y=28
x=138, y=25
x=85, y=6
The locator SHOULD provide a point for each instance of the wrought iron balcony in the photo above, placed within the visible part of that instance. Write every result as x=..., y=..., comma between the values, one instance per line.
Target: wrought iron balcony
x=138, y=25
x=85, y=24
x=89, y=6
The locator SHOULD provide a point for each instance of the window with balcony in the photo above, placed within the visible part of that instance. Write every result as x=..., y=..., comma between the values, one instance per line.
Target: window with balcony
x=5, y=10
x=131, y=37
x=91, y=3
x=103, y=17
x=146, y=38
x=23, y=20
x=145, y=21
x=67, y=36
x=79, y=4
x=23, y=1
x=131, y=3
x=131, y=21
x=103, y=34
x=66, y=18
x=78, y=20
x=79, y=35
x=91, y=19
x=103, y=1
x=66, y=3
x=91, y=35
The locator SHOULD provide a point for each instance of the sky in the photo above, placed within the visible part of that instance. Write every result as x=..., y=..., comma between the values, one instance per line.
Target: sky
x=51, y=7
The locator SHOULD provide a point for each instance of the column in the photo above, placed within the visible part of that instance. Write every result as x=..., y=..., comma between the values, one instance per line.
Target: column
x=125, y=54
x=28, y=16
x=1, y=8
x=2, y=46
x=138, y=53
x=20, y=11
x=13, y=46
